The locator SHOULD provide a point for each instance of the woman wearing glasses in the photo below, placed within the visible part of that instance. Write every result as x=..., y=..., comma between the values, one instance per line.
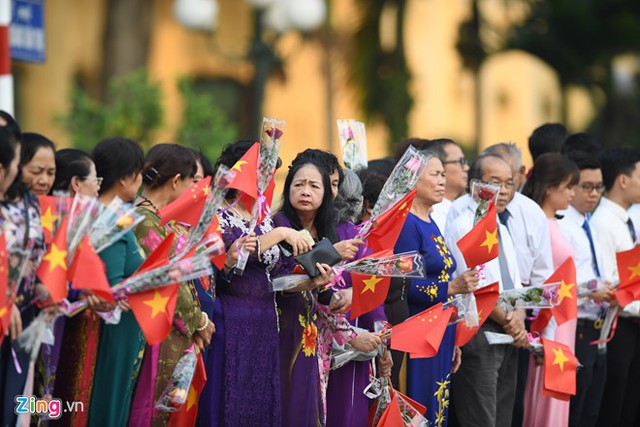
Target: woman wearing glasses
x=76, y=173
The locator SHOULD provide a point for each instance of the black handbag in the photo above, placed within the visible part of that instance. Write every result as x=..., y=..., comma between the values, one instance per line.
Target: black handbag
x=322, y=252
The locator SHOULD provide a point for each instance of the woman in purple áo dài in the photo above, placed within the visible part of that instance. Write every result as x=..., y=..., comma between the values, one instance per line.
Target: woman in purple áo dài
x=244, y=385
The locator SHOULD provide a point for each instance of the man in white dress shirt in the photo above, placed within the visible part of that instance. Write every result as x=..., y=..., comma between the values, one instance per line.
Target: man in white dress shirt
x=456, y=169
x=576, y=229
x=483, y=390
x=615, y=231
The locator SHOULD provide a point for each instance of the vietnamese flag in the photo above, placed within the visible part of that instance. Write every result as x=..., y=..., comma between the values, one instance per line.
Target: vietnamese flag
x=369, y=292
x=486, y=299
x=186, y=415
x=48, y=216
x=214, y=228
x=392, y=417
x=480, y=245
x=246, y=178
x=160, y=255
x=560, y=367
x=154, y=311
x=53, y=268
x=188, y=207
x=629, y=274
x=387, y=227
x=567, y=308
x=421, y=335
x=88, y=272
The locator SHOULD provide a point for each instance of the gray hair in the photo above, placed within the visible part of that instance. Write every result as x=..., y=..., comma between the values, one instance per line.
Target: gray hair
x=503, y=149
x=348, y=203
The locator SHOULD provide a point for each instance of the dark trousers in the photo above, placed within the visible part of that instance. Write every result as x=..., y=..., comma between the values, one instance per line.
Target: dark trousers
x=621, y=397
x=590, y=379
x=523, y=372
x=483, y=390
x=11, y=381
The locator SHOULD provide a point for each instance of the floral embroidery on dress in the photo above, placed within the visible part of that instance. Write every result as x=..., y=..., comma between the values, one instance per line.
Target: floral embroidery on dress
x=442, y=395
x=430, y=290
x=309, y=335
x=443, y=250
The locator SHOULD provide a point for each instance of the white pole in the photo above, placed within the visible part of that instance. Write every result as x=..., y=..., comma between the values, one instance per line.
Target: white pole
x=6, y=79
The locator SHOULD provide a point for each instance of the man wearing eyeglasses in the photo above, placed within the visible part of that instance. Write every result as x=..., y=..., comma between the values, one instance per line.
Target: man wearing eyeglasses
x=577, y=230
x=456, y=170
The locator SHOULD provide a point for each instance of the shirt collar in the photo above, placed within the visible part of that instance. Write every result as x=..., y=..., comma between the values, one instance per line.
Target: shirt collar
x=614, y=208
x=572, y=214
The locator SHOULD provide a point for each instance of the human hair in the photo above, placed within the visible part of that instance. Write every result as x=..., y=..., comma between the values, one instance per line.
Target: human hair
x=476, y=169
x=547, y=138
x=207, y=166
x=230, y=155
x=8, y=143
x=372, y=183
x=583, y=160
x=11, y=125
x=549, y=171
x=506, y=149
x=321, y=158
x=348, y=203
x=325, y=217
x=582, y=142
x=164, y=161
x=382, y=166
x=31, y=143
x=616, y=162
x=70, y=162
x=116, y=158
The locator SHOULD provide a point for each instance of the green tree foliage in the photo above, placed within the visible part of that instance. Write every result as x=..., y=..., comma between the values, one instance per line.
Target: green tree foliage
x=204, y=125
x=134, y=111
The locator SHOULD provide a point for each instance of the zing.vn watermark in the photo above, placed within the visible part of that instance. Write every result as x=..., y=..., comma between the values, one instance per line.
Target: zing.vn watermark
x=50, y=409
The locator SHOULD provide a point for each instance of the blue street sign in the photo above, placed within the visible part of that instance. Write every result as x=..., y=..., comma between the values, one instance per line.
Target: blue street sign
x=26, y=35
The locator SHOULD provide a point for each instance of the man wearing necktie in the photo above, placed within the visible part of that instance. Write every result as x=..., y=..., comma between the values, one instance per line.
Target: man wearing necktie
x=578, y=232
x=610, y=222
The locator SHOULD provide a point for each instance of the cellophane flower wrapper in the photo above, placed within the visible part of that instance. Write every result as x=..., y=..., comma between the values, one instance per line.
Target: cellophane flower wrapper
x=197, y=237
x=540, y=296
x=177, y=390
x=112, y=222
x=83, y=213
x=381, y=391
x=402, y=180
x=408, y=264
x=353, y=142
x=410, y=415
x=270, y=139
x=483, y=194
x=495, y=338
x=468, y=301
x=459, y=306
x=39, y=332
x=288, y=283
x=343, y=354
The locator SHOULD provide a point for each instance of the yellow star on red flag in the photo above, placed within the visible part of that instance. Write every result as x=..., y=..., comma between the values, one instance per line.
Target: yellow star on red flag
x=559, y=358
x=56, y=258
x=370, y=284
x=158, y=304
x=491, y=239
x=635, y=271
x=565, y=291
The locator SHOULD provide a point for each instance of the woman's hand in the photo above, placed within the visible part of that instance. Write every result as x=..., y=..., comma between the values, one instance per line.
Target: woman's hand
x=341, y=300
x=365, y=342
x=326, y=275
x=94, y=302
x=457, y=359
x=465, y=283
x=250, y=243
x=15, y=324
x=348, y=248
x=203, y=338
x=296, y=239
x=385, y=363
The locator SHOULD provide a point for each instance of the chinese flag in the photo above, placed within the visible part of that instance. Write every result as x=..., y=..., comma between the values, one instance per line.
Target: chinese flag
x=5, y=306
x=154, y=311
x=421, y=335
x=186, y=415
x=567, y=308
x=369, y=292
x=48, y=216
x=53, y=268
x=246, y=179
x=160, y=255
x=188, y=207
x=388, y=226
x=559, y=370
x=88, y=272
x=486, y=299
x=480, y=245
x=629, y=273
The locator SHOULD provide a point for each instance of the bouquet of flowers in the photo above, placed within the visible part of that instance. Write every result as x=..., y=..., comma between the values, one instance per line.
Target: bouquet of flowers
x=272, y=131
x=541, y=296
x=411, y=412
x=401, y=182
x=483, y=193
x=534, y=346
x=459, y=306
x=353, y=141
x=39, y=332
x=83, y=213
x=408, y=264
x=112, y=222
x=200, y=237
x=177, y=390
x=291, y=282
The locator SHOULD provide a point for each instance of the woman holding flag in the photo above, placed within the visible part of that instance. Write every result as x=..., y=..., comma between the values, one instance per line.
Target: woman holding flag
x=427, y=379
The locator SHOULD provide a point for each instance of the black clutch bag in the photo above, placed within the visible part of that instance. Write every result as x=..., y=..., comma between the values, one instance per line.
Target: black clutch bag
x=322, y=252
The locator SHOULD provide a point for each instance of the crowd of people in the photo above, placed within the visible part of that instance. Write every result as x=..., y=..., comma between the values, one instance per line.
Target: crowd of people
x=268, y=355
